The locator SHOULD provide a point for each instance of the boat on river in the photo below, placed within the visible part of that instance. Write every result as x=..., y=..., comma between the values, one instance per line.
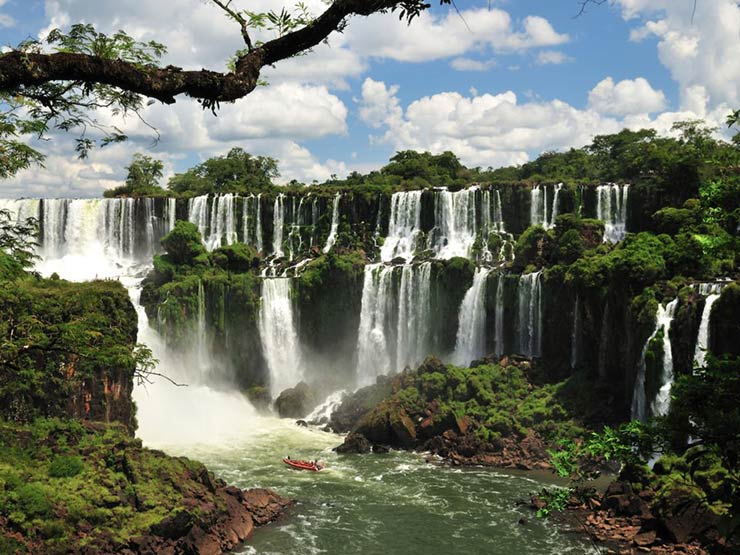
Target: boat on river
x=303, y=465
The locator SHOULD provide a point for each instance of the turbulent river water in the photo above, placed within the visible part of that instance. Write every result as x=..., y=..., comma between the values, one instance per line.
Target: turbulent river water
x=377, y=504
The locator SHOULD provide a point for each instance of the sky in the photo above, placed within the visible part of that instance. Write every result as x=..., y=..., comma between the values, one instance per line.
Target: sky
x=497, y=83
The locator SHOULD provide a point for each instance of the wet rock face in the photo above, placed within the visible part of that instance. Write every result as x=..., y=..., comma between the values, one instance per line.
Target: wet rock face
x=204, y=529
x=296, y=402
x=355, y=443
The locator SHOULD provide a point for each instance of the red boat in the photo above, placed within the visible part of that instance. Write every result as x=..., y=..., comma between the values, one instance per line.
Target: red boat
x=303, y=465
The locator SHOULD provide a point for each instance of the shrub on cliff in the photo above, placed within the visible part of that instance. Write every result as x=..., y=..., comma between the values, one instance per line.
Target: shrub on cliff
x=183, y=244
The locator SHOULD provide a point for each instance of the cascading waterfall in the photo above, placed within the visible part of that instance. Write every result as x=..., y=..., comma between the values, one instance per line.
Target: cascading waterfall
x=198, y=213
x=171, y=213
x=711, y=292
x=611, y=208
x=499, y=316
x=278, y=219
x=414, y=314
x=334, y=224
x=394, y=319
x=659, y=406
x=295, y=241
x=279, y=335
x=222, y=223
x=555, y=206
x=202, y=333
x=403, y=226
x=530, y=314
x=314, y=219
x=455, y=219
x=538, y=206
x=471, y=331
x=374, y=358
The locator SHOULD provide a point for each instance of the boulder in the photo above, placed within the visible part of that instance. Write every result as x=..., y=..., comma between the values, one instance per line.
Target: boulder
x=354, y=443
x=403, y=428
x=296, y=402
x=264, y=505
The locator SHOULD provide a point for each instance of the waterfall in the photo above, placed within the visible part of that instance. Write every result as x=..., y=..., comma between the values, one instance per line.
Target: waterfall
x=222, y=222
x=659, y=406
x=499, y=316
x=171, y=213
x=611, y=208
x=258, y=225
x=198, y=213
x=575, y=336
x=377, y=303
x=498, y=217
x=53, y=222
x=555, y=206
x=711, y=292
x=202, y=353
x=334, y=224
x=538, y=206
x=394, y=319
x=414, y=314
x=455, y=230
x=530, y=314
x=297, y=221
x=278, y=219
x=403, y=226
x=278, y=334
x=314, y=219
x=471, y=330
x=322, y=413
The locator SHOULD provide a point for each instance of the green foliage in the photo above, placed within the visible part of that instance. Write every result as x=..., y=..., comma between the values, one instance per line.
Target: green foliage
x=144, y=173
x=706, y=407
x=237, y=172
x=87, y=334
x=183, y=244
x=556, y=501
x=17, y=246
x=530, y=247
x=105, y=490
x=65, y=466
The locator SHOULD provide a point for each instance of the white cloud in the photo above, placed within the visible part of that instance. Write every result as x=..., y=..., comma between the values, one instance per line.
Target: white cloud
x=497, y=129
x=699, y=48
x=468, y=64
x=552, y=57
x=626, y=97
x=433, y=37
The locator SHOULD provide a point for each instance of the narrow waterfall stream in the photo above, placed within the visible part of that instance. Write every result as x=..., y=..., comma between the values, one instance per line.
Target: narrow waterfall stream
x=279, y=336
x=711, y=291
x=658, y=406
x=530, y=314
x=334, y=224
x=471, y=331
x=611, y=208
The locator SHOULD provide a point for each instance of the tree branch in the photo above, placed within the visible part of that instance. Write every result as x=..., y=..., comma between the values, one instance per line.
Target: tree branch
x=239, y=19
x=21, y=69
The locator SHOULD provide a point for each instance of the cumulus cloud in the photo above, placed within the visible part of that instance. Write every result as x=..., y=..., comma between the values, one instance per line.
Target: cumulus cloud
x=469, y=64
x=498, y=129
x=469, y=30
x=552, y=57
x=699, y=49
x=630, y=96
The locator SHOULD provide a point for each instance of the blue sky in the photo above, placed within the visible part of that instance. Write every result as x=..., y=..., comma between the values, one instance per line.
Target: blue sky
x=497, y=86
